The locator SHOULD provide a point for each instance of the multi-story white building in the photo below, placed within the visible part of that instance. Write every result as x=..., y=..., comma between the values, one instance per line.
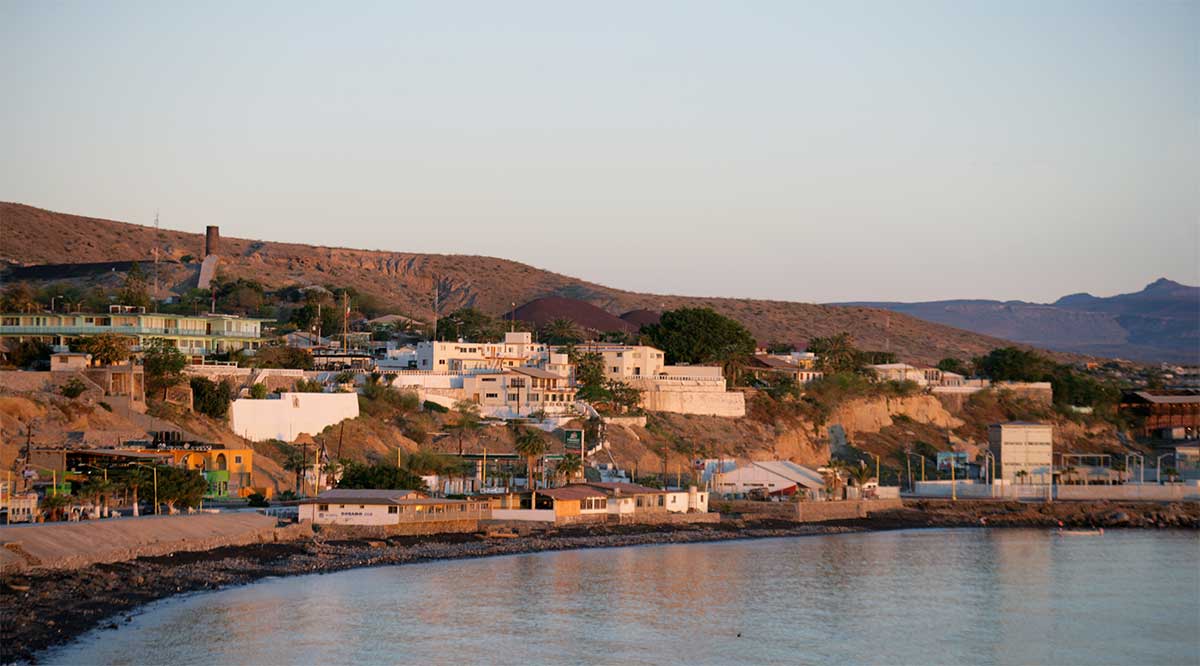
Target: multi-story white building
x=1022, y=446
x=461, y=357
x=683, y=389
x=194, y=335
x=519, y=392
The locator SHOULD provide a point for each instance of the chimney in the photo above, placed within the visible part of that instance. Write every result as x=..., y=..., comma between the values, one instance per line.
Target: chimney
x=212, y=239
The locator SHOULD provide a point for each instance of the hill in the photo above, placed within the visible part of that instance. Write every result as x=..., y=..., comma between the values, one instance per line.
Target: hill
x=541, y=311
x=1159, y=323
x=406, y=281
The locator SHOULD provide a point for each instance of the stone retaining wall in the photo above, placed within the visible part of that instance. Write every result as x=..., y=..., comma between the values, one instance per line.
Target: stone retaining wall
x=815, y=512
x=403, y=529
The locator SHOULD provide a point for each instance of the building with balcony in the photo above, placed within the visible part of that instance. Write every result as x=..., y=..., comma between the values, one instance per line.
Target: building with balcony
x=462, y=357
x=520, y=391
x=194, y=335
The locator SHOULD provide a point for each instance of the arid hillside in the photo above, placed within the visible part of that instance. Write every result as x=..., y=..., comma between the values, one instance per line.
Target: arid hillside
x=406, y=281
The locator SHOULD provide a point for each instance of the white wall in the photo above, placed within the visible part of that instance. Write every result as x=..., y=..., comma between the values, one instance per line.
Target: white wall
x=291, y=414
x=533, y=515
x=349, y=514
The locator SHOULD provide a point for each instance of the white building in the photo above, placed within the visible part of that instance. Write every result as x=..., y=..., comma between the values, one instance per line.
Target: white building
x=461, y=357
x=691, y=500
x=898, y=372
x=1022, y=446
x=519, y=391
x=346, y=506
x=776, y=477
x=682, y=389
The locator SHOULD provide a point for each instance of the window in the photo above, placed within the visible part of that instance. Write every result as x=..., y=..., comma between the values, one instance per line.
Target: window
x=640, y=501
x=361, y=506
x=393, y=509
x=237, y=459
x=322, y=507
x=491, y=395
x=513, y=397
x=614, y=368
x=660, y=500
x=462, y=507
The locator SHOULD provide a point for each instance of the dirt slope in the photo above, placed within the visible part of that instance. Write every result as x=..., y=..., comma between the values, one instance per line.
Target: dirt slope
x=406, y=281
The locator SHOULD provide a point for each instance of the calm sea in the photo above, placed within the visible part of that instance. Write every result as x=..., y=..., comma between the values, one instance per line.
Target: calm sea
x=912, y=597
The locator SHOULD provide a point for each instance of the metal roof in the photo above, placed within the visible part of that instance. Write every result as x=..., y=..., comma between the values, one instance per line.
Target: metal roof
x=624, y=488
x=1161, y=399
x=536, y=372
x=799, y=474
x=573, y=492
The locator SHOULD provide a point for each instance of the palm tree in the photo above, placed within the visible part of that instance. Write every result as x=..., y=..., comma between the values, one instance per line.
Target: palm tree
x=134, y=478
x=295, y=462
x=55, y=505
x=862, y=476
x=529, y=443
x=466, y=419
x=560, y=332
x=101, y=489
x=569, y=467
x=1020, y=475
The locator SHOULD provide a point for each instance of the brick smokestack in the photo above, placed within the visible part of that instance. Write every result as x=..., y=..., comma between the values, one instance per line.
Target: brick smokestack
x=212, y=240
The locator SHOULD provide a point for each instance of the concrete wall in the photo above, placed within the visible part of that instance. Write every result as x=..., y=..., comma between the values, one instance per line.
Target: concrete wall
x=1173, y=492
x=706, y=403
x=810, y=512
x=291, y=414
x=74, y=545
x=526, y=515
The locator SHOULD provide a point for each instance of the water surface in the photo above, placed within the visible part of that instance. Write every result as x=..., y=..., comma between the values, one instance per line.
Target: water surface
x=912, y=597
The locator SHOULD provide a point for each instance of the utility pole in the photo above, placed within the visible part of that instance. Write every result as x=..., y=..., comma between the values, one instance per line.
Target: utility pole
x=345, y=322
x=154, y=294
x=437, y=288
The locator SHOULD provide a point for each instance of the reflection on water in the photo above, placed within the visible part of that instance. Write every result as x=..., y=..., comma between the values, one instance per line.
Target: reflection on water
x=916, y=597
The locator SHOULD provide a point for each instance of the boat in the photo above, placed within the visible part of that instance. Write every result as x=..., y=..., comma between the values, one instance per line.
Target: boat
x=1095, y=532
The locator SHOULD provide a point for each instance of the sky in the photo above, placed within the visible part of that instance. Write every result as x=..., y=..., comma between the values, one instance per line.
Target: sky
x=810, y=151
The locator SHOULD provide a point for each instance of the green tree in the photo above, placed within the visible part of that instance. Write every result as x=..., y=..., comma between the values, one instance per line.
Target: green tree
x=700, y=335
x=837, y=354
x=589, y=375
x=473, y=325
x=466, y=419
x=134, y=291
x=277, y=356
x=954, y=365
x=180, y=487
x=163, y=364
x=530, y=444
x=135, y=478
x=55, y=505
x=560, y=332
x=569, y=467
x=73, y=388
x=210, y=398
x=1014, y=364
x=296, y=462
x=258, y=391
x=18, y=297
x=380, y=476
x=106, y=348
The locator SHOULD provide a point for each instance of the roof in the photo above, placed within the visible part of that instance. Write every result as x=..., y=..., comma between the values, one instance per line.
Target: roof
x=1172, y=398
x=775, y=363
x=573, y=492
x=536, y=372
x=362, y=496
x=614, y=487
x=892, y=366
x=798, y=474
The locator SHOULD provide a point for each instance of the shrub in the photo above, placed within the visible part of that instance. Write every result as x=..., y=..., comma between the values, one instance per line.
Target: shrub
x=258, y=391
x=73, y=388
x=105, y=405
x=210, y=398
x=257, y=500
x=432, y=406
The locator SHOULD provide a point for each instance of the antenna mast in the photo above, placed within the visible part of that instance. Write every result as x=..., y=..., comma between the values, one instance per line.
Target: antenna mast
x=157, y=231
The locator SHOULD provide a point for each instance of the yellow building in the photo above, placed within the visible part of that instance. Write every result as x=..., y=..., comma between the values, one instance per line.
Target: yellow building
x=229, y=471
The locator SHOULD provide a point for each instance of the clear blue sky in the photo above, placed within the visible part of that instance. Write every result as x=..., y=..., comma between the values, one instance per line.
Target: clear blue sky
x=791, y=150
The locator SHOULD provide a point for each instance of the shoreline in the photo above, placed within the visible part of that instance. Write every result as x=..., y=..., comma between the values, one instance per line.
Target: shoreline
x=46, y=609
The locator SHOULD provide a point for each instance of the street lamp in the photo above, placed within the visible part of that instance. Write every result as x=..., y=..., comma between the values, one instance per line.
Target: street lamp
x=923, y=459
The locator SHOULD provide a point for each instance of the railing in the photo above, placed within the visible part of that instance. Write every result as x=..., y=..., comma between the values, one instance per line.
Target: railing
x=120, y=330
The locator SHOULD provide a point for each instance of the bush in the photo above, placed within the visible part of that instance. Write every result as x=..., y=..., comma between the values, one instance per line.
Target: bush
x=105, y=405
x=432, y=406
x=73, y=388
x=258, y=391
x=210, y=398
x=257, y=500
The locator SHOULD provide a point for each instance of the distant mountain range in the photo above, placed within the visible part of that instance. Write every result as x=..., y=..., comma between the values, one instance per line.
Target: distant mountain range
x=1158, y=323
